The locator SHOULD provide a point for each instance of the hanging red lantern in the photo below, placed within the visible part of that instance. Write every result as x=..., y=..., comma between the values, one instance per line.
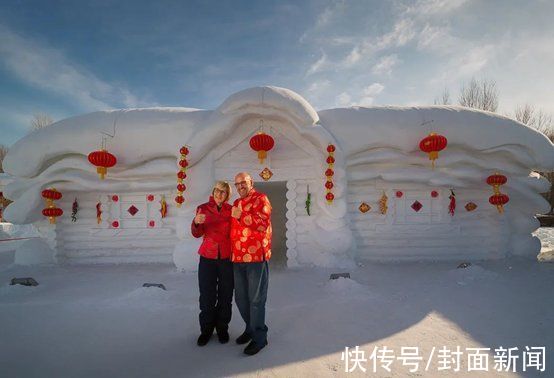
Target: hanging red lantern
x=432, y=144
x=52, y=213
x=497, y=179
x=102, y=160
x=262, y=143
x=181, y=187
x=329, y=197
x=399, y=194
x=51, y=194
x=331, y=148
x=179, y=200
x=184, y=150
x=499, y=200
x=330, y=160
x=434, y=194
x=184, y=163
x=329, y=185
x=181, y=175
x=329, y=172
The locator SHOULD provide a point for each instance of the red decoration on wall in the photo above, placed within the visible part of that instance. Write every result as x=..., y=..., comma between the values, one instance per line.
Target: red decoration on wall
x=102, y=160
x=452, y=204
x=181, y=175
x=132, y=210
x=51, y=211
x=115, y=224
x=498, y=199
x=151, y=223
x=432, y=144
x=163, y=207
x=331, y=148
x=329, y=173
x=150, y=197
x=99, y=212
x=51, y=194
x=434, y=194
x=330, y=197
x=329, y=185
x=262, y=143
x=399, y=194
x=416, y=206
x=115, y=198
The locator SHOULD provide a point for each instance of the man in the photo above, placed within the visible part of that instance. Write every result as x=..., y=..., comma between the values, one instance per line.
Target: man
x=251, y=251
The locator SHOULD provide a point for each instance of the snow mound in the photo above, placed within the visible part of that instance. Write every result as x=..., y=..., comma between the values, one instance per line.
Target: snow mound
x=152, y=297
x=17, y=290
x=34, y=252
x=343, y=285
x=471, y=274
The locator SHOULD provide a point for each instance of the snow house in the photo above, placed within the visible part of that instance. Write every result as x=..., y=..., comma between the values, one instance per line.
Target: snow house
x=346, y=184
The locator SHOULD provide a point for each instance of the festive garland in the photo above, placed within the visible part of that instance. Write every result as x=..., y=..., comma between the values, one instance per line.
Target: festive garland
x=181, y=175
x=329, y=173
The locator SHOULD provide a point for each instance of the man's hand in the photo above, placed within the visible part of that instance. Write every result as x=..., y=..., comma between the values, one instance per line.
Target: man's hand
x=236, y=212
x=199, y=218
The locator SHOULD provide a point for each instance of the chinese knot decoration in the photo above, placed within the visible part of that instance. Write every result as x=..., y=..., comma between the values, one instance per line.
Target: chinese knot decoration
x=51, y=211
x=181, y=175
x=383, y=203
x=103, y=160
x=498, y=199
x=262, y=143
x=432, y=144
x=329, y=173
x=163, y=207
x=452, y=204
x=99, y=212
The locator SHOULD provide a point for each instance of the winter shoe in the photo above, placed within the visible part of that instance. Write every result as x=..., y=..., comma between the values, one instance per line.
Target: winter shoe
x=223, y=336
x=253, y=348
x=203, y=339
x=244, y=338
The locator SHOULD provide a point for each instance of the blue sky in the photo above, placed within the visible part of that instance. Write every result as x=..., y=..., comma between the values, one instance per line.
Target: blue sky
x=65, y=58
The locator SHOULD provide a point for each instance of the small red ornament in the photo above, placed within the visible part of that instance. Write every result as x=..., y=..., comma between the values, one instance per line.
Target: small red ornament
x=184, y=163
x=115, y=198
x=181, y=187
x=330, y=160
x=329, y=197
x=150, y=197
x=151, y=223
x=399, y=194
x=102, y=160
x=331, y=148
x=180, y=199
x=182, y=175
x=184, y=151
x=262, y=143
x=115, y=224
x=329, y=185
x=434, y=194
x=329, y=172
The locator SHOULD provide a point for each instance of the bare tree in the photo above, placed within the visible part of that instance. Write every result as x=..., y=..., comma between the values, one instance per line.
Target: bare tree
x=3, y=153
x=41, y=120
x=479, y=95
x=444, y=99
x=525, y=114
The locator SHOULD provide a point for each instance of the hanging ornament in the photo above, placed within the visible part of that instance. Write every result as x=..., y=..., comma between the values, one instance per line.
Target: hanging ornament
x=470, y=206
x=51, y=211
x=163, y=208
x=452, y=204
x=115, y=224
x=308, y=200
x=329, y=173
x=364, y=208
x=498, y=199
x=262, y=143
x=74, y=210
x=434, y=194
x=383, y=203
x=99, y=212
x=103, y=160
x=115, y=198
x=181, y=175
x=151, y=224
x=416, y=206
x=399, y=194
x=432, y=144
x=266, y=174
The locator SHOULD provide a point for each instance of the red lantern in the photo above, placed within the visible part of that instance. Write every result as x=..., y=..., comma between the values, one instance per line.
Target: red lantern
x=330, y=148
x=434, y=194
x=329, y=197
x=51, y=194
x=330, y=160
x=496, y=179
x=329, y=185
x=179, y=200
x=115, y=224
x=329, y=172
x=102, y=160
x=399, y=194
x=181, y=175
x=262, y=143
x=184, y=163
x=184, y=151
x=499, y=200
x=52, y=213
x=432, y=144
x=181, y=187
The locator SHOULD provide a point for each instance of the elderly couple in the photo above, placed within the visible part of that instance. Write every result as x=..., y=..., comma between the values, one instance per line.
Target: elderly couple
x=234, y=253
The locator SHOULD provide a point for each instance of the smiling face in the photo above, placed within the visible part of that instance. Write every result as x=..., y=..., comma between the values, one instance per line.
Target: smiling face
x=243, y=183
x=221, y=192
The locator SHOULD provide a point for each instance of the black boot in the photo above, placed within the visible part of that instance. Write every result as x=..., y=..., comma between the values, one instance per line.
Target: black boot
x=223, y=336
x=253, y=348
x=244, y=338
x=203, y=339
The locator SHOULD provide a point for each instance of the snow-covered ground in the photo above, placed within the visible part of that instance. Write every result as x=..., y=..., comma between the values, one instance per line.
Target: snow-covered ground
x=98, y=321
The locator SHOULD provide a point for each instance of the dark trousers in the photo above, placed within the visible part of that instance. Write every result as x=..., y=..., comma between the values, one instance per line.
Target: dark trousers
x=215, y=280
x=251, y=281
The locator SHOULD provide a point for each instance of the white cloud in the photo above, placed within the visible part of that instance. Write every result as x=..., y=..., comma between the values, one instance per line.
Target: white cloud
x=374, y=89
x=343, y=99
x=318, y=65
x=353, y=57
x=385, y=65
x=49, y=69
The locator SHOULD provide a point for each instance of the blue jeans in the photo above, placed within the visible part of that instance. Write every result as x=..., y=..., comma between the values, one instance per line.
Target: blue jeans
x=251, y=280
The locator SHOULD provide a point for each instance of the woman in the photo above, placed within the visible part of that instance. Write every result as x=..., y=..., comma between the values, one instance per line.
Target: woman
x=215, y=269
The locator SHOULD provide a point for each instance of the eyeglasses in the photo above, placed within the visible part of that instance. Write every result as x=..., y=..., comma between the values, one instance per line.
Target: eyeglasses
x=219, y=191
x=242, y=183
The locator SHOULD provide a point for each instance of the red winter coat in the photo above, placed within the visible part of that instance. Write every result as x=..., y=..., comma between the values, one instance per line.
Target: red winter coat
x=251, y=234
x=216, y=230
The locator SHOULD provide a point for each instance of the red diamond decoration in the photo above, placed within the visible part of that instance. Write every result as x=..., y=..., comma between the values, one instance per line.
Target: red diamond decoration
x=417, y=206
x=132, y=210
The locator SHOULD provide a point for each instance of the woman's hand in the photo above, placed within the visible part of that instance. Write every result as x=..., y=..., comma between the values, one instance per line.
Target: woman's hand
x=199, y=218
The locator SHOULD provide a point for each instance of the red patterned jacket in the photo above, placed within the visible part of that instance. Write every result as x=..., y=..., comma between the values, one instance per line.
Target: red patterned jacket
x=251, y=234
x=215, y=230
